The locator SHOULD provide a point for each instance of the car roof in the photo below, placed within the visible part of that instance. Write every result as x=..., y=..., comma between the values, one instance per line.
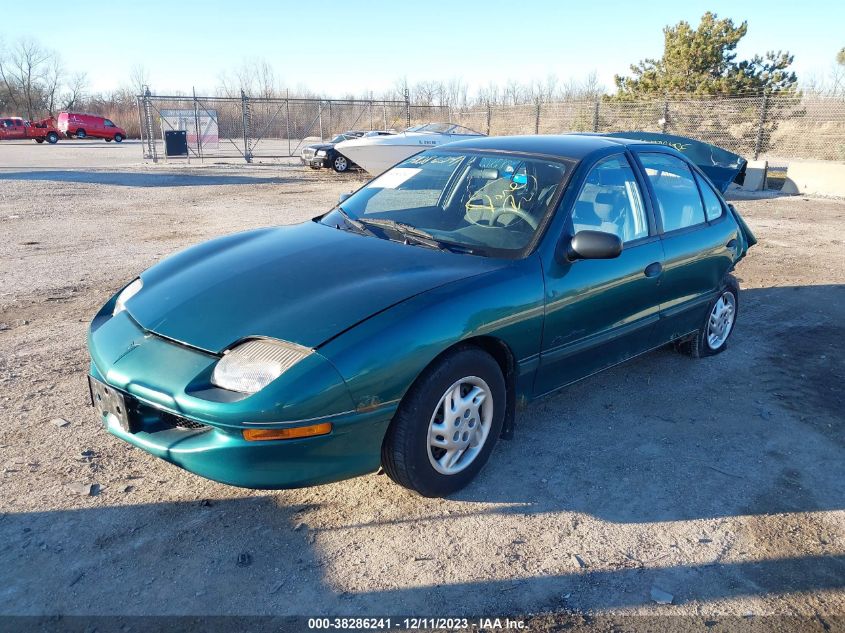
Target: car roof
x=574, y=146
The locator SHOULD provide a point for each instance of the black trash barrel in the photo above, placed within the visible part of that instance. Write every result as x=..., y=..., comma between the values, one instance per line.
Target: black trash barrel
x=176, y=143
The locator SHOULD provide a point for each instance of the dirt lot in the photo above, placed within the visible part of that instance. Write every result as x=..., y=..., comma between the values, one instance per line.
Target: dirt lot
x=721, y=482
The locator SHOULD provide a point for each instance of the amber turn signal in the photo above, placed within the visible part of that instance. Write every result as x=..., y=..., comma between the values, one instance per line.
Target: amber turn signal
x=257, y=435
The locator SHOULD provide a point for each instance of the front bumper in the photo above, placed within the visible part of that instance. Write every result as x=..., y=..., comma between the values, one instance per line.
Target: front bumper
x=165, y=382
x=315, y=161
x=352, y=448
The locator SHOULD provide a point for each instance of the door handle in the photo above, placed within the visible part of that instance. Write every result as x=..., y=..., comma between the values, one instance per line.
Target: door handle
x=731, y=244
x=653, y=269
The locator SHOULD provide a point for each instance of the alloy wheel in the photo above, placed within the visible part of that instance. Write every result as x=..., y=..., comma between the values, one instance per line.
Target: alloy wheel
x=460, y=425
x=721, y=320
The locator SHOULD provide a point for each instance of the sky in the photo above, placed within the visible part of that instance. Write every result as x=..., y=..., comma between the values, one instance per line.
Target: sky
x=339, y=48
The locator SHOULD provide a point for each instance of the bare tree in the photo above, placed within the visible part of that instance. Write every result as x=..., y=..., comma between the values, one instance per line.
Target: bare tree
x=52, y=80
x=77, y=85
x=139, y=78
x=30, y=74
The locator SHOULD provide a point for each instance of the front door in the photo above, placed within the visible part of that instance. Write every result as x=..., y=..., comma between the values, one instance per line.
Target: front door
x=14, y=129
x=601, y=312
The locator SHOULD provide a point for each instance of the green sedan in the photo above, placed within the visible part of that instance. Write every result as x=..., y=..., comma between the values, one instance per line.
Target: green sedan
x=401, y=329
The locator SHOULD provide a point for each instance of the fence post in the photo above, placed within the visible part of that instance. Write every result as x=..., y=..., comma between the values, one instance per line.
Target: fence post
x=407, y=108
x=287, y=119
x=246, y=119
x=758, y=144
x=489, y=116
x=665, y=119
x=537, y=118
x=197, y=124
x=330, y=119
x=384, y=114
x=596, y=114
x=148, y=124
x=320, y=117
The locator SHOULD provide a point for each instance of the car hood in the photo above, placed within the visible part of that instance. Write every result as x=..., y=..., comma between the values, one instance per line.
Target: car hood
x=304, y=284
x=318, y=146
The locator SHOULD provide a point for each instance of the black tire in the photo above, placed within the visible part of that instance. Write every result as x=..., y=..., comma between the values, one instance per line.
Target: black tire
x=314, y=167
x=118, y=138
x=340, y=163
x=698, y=346
x=80, y=133
x=52, y=138
x=405, y=450
x=107, y=140
x=39, y=140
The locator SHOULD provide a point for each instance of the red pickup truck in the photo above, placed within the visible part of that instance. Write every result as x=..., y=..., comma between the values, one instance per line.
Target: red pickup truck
x=17, y=128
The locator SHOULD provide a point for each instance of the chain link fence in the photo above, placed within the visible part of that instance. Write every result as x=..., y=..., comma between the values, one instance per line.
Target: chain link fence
x=249, y=128
x=777, y=128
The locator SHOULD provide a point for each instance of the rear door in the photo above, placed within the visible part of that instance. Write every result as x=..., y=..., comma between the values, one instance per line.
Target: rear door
x=699, y=241
x=600, y=312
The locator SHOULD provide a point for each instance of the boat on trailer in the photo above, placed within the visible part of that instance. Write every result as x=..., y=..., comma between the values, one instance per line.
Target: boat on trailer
x=377, y=154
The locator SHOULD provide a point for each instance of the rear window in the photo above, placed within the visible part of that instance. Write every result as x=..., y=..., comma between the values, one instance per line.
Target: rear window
x=712, y=205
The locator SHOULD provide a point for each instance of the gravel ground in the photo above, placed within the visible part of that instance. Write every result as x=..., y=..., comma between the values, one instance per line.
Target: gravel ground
x=720, y=482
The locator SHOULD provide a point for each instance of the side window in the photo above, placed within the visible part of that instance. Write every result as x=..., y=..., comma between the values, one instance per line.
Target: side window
x=712, y=205
x=108, y=123
x=611, y=202
x=675, y=189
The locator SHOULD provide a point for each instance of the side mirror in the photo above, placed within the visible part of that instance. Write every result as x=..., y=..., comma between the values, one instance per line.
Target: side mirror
x=590, y=245
x=342, y=198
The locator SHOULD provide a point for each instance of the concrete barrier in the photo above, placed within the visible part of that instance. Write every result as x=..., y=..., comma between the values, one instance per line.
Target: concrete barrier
x=755, y=175
x=822, y=177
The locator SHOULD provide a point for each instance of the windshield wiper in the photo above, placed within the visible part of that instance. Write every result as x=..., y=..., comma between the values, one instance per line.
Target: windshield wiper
x=409, y=233
x=355, y=224
x=417, y=235
x=399, y=227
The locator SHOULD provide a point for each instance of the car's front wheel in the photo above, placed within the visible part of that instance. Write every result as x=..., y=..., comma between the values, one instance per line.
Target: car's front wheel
x=712, y=336
x=448, y=422
x=340, y=164
x=52, y=138
x=118, y=138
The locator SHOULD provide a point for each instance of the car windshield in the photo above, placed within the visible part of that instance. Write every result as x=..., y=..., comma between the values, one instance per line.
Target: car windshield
x=477, y=202
x=342, y=137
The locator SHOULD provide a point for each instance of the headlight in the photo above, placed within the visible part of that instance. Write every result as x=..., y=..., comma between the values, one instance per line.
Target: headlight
x=253, y=365
x=321, y=152
x=126, y=294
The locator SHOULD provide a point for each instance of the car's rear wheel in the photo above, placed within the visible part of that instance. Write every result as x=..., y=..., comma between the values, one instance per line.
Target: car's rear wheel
x=448, y=422
x=52, y=138
x=39, y=140
x=118, y=138
x=80, y=133
x=108, y=140
x=340, y=164
x=712, y=337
